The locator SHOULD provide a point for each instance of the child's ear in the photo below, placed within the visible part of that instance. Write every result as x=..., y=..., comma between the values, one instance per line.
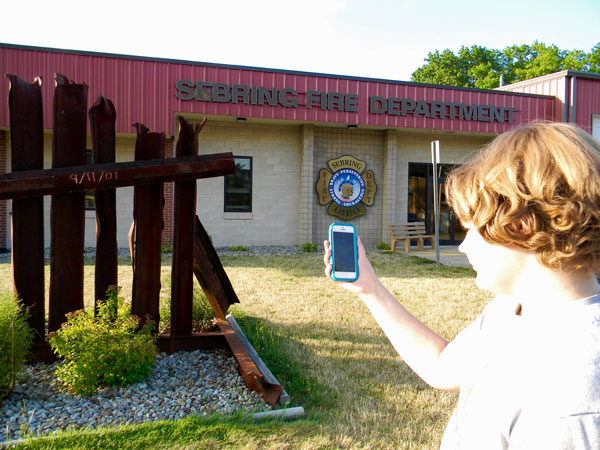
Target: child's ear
x=522, y=227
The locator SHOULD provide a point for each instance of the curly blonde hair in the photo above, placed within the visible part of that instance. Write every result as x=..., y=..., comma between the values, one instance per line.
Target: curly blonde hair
x=536, y=187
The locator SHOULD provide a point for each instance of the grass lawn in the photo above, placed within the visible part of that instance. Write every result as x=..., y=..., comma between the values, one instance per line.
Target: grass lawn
x=324, y=347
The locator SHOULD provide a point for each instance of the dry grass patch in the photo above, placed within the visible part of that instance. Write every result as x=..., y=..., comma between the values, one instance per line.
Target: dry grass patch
x=370, y=396
x=322, y=344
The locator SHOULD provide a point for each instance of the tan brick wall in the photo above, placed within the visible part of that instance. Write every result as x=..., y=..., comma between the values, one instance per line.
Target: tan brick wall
x=366, y=145
x=276, y=152
x=307, y=182
x=389, y=182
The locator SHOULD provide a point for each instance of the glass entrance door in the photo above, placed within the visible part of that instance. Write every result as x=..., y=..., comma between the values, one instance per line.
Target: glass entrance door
x=420, y=202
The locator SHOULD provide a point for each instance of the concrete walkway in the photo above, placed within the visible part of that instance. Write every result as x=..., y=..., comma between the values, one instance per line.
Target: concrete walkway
x=449, y=255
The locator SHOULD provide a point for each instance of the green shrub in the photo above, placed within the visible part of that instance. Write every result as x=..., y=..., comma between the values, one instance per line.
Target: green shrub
x=239, y=248
x=384, y=246
x=310, y=247
x=109, y=349
x=15, y=340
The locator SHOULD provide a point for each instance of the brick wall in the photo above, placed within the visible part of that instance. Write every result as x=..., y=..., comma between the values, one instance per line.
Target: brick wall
x=390, y=181
x=366, y=145
x=307, y=182
x=276, y=152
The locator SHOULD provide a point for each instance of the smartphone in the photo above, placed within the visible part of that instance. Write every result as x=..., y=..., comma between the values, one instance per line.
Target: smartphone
x=344, y=253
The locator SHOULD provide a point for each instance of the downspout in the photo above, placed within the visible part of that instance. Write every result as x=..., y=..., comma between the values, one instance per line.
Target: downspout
x=566, y=101
x=572, y=102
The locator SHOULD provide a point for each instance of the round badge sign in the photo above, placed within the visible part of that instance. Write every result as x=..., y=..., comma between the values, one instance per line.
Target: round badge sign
x=347, y=187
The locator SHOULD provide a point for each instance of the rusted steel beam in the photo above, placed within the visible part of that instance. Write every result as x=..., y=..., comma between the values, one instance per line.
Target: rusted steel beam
x=27, y=152
x=284, y=398
x=67, y=211
x=184, y=213
x=210, y=273
x=33, y=183
x=102, y=125
x=148, y=202
x=252, y=376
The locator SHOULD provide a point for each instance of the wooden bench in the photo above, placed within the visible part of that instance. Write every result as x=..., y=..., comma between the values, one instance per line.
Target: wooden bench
x=407, y=231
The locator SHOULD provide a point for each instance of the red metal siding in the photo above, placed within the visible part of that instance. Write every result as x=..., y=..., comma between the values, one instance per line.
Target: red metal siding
x=587, y=101
x=144, y=91
x=553, y=87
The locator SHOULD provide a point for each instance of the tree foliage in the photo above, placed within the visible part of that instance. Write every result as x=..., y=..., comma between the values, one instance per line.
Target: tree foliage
x=480, y=67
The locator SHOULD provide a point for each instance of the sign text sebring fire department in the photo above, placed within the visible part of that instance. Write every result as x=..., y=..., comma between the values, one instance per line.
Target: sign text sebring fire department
x=205, y=91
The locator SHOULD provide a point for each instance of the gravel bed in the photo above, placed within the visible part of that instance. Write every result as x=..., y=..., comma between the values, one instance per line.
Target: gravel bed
x=185, y=383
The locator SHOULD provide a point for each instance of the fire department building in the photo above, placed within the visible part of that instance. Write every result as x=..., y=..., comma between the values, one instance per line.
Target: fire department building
x=310, y=148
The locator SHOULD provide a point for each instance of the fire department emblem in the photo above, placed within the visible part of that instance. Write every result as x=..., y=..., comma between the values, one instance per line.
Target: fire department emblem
x=346, y=188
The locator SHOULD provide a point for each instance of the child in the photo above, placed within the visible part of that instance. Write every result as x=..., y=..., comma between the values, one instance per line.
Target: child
x=528, y=368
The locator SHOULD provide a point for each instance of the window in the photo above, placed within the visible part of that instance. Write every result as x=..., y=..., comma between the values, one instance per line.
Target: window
x=90, y=198
x=238, y=187
x=596, y=126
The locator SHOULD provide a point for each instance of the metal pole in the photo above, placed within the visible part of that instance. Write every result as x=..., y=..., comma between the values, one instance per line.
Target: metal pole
x=435, y=159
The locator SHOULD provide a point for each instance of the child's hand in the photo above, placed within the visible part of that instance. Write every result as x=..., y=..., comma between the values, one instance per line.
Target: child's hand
x=367, y=279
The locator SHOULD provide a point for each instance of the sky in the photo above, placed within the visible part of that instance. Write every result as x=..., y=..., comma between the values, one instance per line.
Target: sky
x=387, y=39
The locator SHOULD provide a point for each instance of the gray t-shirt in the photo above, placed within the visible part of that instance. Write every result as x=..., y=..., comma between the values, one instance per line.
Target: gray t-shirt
x=530, y=383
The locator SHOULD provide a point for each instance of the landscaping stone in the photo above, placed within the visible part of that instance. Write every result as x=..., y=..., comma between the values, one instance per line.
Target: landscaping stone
x=40, y=405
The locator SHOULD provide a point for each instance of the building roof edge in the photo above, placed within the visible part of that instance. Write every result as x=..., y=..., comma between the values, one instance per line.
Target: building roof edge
x=258, y=69
x=550, y=76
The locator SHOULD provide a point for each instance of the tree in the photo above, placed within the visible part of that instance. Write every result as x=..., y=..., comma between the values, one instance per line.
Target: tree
x=472, y=67
x=482, y=66
x=445, y=68
x=479, y=67
x=593, y=59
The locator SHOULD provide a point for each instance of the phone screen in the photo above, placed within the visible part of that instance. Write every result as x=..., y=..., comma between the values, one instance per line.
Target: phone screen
x=343, y=250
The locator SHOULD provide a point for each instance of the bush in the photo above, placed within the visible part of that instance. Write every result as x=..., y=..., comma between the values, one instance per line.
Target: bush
x=107, y=350
x=238, y=248
x=15, y=340
x=310, y=247
x=384, y=246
